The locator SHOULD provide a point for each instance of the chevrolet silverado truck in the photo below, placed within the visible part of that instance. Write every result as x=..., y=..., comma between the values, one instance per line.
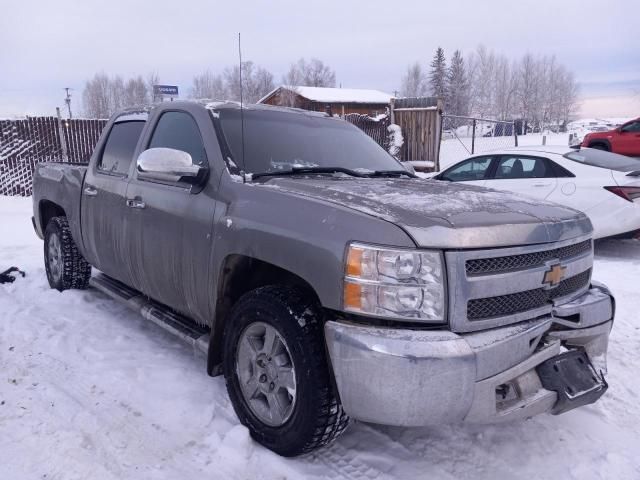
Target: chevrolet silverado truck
x=322, y=278
x=624, y=140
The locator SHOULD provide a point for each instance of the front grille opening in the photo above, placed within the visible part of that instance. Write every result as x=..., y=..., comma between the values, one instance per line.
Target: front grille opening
x=484, y=266
x=502, y=305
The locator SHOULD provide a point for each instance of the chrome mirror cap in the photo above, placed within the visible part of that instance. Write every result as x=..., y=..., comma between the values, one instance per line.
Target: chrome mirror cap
x=166, y=164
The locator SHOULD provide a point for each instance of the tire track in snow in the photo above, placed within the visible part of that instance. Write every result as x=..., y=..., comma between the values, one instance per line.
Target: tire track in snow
x=344, y=463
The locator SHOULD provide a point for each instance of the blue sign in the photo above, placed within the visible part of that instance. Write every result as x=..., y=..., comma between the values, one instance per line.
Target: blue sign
x=165, y=90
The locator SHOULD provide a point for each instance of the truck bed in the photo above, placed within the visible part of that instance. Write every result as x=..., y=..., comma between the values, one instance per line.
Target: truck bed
x=61, y=184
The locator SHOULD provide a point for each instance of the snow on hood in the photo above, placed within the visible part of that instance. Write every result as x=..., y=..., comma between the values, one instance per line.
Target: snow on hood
x=446, y=214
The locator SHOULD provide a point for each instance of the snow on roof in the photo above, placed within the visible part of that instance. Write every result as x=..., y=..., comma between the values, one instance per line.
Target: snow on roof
x=336, y=95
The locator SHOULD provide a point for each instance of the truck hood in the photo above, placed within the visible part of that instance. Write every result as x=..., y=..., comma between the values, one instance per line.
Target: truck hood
x=440, y=214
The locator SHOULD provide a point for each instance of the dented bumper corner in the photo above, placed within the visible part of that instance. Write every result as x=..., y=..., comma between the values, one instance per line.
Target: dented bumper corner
x=408, y=377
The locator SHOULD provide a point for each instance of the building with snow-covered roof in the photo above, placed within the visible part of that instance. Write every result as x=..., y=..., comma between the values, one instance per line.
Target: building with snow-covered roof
x=338, y=101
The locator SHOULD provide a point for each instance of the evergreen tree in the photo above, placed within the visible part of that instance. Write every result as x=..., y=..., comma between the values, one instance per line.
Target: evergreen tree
x=457, y=90
x=438, y=75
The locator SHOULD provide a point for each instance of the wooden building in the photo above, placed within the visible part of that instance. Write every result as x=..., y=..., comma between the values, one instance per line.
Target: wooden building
x=337, y=101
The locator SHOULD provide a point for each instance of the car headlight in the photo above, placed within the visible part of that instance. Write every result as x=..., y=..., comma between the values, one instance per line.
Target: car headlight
x=394, y=283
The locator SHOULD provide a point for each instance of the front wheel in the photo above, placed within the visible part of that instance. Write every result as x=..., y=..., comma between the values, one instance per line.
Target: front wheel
x=276, y=371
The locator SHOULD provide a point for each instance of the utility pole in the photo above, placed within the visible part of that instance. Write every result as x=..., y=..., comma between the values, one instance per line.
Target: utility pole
x=67, y=100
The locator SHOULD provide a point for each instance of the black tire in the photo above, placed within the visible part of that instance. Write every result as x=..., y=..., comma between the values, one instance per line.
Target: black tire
x=68, y=269
x=317, y=417
x=599, y=146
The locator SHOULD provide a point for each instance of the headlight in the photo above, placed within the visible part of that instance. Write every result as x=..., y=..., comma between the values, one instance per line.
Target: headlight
x=394, y=283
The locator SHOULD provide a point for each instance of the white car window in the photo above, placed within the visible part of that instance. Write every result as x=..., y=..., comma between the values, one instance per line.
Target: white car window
x=469, y=170
x=522, y=167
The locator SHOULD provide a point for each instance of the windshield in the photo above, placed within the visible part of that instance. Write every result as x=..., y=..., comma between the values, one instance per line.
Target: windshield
x=279, y=141
x=600, y=158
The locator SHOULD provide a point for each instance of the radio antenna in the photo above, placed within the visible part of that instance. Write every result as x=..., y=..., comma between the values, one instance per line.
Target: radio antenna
x=241, y=111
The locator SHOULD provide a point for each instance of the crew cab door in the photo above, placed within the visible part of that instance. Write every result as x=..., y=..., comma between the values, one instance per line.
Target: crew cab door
x=627, y=140
x=172, y=222
x=103, y=222
x=532, y=176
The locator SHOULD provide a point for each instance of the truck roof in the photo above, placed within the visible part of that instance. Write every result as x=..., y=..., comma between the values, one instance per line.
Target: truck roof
x=141, y=112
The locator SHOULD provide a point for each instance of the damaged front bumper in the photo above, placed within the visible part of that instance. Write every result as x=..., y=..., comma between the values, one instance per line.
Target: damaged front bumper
x=407, y=377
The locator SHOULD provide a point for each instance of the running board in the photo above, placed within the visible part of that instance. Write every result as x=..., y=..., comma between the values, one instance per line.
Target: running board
x=181, y=327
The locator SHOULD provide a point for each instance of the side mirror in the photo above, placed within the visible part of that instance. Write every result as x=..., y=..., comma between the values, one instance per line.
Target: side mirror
x=166, y=164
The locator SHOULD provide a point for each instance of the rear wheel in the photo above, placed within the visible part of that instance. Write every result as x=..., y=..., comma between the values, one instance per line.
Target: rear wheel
x=66, y=267
x=276, y=371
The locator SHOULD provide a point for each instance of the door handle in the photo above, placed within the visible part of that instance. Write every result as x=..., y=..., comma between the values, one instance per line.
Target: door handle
x=90, y=191
x=135, y=203
x=541, y=184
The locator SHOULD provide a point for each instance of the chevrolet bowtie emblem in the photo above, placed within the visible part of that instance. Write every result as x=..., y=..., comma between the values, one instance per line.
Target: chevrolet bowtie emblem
x=554, y=275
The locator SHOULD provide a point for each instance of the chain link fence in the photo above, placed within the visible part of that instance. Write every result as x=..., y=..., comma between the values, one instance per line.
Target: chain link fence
x=464, y=136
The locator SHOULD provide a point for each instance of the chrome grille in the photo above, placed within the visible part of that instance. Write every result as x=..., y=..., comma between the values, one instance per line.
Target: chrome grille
x=501, y=305
x=502, y=286
x=484, y=266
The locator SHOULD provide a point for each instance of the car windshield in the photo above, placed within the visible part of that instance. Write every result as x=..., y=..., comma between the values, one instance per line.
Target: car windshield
x=600, y=158
x=283, y=141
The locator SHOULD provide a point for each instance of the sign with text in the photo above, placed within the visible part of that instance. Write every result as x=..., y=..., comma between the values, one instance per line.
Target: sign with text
x=169, y=90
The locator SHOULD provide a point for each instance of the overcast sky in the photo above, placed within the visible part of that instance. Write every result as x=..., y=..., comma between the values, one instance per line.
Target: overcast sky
x=48, y=45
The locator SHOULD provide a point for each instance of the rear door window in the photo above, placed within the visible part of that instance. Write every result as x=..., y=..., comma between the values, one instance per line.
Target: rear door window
x=515, y=167
x=118, y=151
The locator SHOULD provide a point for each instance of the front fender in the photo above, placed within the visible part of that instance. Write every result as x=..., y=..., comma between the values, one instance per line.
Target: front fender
x=301, y=235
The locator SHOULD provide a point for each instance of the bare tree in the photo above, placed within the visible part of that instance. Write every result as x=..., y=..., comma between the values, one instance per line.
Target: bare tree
x=414, y=82
x=103, y=95
x=208, y=85
x=504, y=89
x=538, y=90
x=136, y=92
x=483, y=68
x=152, y=79
x=312, y=73
x=96, y=97
x=256, y=82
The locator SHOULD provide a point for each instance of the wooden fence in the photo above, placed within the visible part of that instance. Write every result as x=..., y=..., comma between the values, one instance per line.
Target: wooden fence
x=419, y=119
x=25, y=142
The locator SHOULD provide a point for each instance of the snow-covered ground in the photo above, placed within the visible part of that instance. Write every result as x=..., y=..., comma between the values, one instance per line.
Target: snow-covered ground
x=89, y=390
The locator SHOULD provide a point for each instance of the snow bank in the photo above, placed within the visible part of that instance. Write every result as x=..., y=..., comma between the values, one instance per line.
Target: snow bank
x=88, y=389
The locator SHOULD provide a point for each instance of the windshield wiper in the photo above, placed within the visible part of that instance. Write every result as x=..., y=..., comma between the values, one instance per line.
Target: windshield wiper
x=391, y=173
x=302, y=170
x=354, y=173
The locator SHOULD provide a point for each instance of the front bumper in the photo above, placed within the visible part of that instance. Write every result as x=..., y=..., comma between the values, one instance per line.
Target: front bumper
x=407, y=377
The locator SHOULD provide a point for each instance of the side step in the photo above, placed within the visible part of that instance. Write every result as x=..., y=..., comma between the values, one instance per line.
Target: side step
x=187, y=330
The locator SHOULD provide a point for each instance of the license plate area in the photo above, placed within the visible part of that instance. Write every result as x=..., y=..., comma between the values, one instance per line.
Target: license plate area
x=572, y=376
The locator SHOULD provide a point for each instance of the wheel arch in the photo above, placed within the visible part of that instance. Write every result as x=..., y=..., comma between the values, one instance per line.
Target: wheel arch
x=47, y=210
x=238, y=275
x=600, y=141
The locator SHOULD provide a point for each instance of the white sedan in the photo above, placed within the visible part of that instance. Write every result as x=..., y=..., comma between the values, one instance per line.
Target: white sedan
x=604, y=185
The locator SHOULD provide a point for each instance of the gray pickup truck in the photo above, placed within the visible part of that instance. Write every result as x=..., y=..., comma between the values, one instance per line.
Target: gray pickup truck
x=322, y=278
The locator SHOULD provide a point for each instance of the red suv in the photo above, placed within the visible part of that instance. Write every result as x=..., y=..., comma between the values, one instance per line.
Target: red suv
x=624, y=140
